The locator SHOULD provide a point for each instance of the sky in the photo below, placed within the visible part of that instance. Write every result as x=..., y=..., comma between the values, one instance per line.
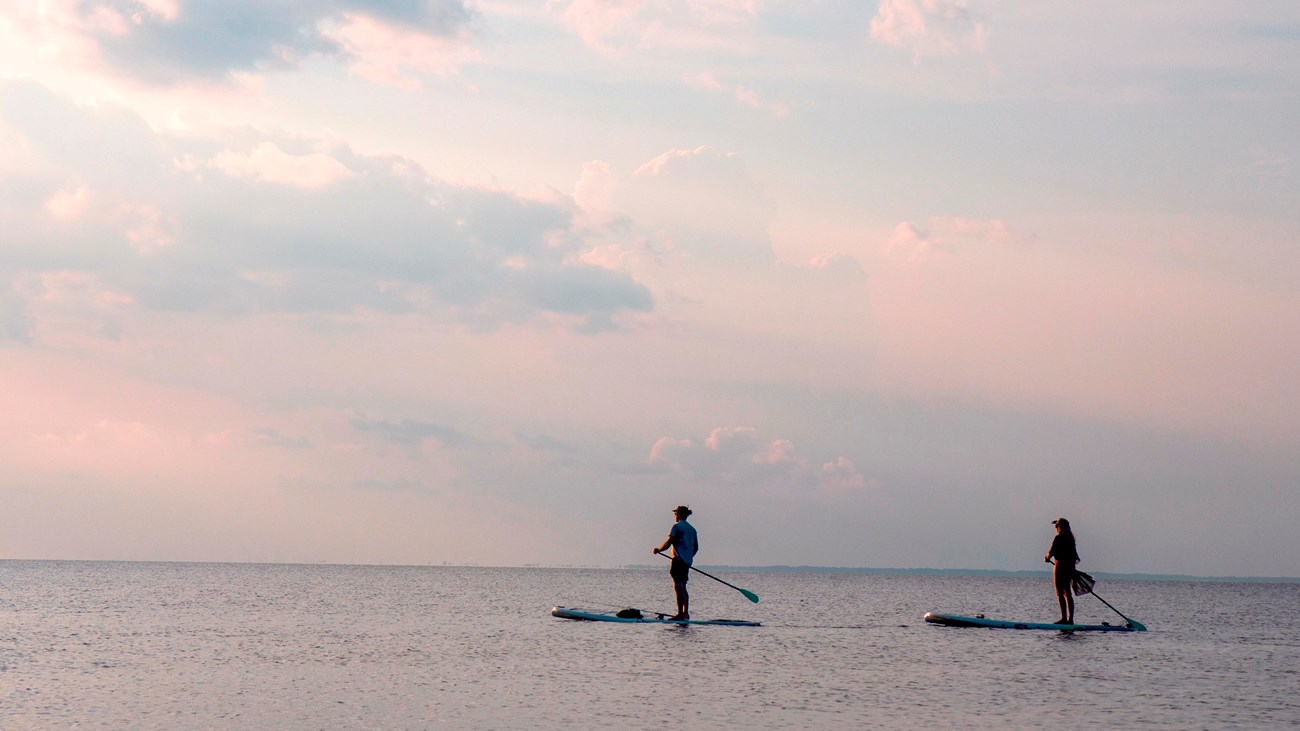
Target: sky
x=501, y=282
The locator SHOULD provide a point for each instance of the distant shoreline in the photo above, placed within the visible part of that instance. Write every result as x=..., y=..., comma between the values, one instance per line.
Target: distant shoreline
x=718, y=567
x=984, y=572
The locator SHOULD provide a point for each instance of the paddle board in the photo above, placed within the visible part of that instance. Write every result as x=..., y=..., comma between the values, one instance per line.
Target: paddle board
x=567, y=613
x=956, y=620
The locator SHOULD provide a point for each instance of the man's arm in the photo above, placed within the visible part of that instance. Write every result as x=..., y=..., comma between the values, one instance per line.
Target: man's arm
x=672, y=535
x=666, y=544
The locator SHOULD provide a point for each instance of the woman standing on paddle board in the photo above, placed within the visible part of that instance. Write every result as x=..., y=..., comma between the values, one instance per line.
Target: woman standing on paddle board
x=685, y=543
x=1066, y=555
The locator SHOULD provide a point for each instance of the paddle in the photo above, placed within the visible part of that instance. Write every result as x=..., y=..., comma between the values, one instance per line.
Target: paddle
x=1083, y=584
x=748, y=594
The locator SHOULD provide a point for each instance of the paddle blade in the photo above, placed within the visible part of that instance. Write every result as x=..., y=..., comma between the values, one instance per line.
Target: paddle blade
x=1082, y=583
x=750, y=595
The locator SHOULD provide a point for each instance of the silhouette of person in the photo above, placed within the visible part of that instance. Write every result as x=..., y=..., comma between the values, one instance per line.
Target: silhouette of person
x=685, y=543
x=1066, y=555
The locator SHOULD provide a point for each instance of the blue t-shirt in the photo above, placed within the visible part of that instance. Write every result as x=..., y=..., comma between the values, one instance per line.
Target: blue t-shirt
x=685, y=541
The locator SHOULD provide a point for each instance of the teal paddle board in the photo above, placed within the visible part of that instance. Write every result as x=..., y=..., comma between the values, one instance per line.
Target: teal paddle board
x=582, y=614
x=956, y=620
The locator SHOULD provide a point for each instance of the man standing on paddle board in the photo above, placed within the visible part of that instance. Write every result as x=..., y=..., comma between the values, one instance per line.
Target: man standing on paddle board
x=1066, y=555
x=685, y=543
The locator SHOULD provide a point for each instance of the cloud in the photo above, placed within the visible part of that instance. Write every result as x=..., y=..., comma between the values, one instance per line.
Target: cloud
x=929, y=27
x=254, y=223
x=612, y=26
x=736, y=457
x=703, y=203
x=393, y=55
x=839, y=267
x=600, y=22
x=743, y=95
x=681, y=209
x=274, y=438
x=594, y=191
x=942, y=236
x=168, y=42
x=842, y=474
x=411, y=433
x=700, y=159
x=724, y=12
x=269, y=163
x=423, y=442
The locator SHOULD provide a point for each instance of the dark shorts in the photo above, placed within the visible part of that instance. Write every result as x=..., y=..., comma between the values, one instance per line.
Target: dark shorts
x=680, y=571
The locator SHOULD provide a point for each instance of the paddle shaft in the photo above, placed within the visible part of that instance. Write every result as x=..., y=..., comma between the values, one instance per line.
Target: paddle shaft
x=1112, y=607
x=748, y=594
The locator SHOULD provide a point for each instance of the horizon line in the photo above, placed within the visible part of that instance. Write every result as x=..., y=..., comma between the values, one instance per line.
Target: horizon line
x=922, y=571
x=769, y=568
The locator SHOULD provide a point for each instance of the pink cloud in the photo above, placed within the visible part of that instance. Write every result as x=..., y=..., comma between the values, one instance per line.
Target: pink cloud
x=145, y=226
x=736, y=455
x=147, y=44
x=152, y=232
x=743, y=95
x=703, y=80
x=664, y=161
x=842, y=475
x=746, y=96
x=267, y=162
x=724, y=12
x=594, y=190
x=599, y=22
x=69, y=204
x=37, y=35
x=391, y=55
x=842, y=267
x=941, y=236
x=664, y=450
x=612, y=26
x=929, y=27
x=776, y=452
x=165, y=9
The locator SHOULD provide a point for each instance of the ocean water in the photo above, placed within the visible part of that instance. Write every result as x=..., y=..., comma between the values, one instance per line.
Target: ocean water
x=241, y=646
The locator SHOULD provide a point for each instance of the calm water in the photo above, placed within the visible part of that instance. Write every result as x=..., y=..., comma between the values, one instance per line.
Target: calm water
x=175, y=646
